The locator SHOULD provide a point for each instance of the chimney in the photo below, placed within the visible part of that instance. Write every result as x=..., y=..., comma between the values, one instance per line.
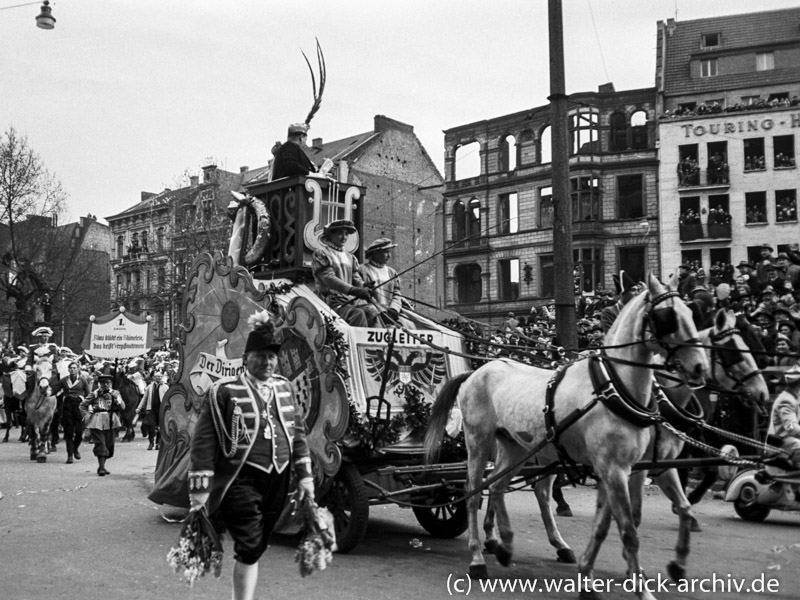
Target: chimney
x=244, y=169
x=606, y=88
x=316, y=143
x=670, y=26
x=209, y=173
x=194, y=180
x=147, y=195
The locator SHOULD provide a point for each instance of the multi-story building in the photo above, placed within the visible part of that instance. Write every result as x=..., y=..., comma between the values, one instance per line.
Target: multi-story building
x=498, y=217
x=729, y=114
x=156, y=240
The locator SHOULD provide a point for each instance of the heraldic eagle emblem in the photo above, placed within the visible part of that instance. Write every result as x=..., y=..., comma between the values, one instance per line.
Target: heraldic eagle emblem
x=424, y=371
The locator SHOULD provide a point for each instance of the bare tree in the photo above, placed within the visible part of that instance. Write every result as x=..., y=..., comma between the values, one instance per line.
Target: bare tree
x=37, y=257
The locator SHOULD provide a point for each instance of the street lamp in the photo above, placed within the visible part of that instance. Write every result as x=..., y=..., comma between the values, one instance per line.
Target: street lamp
x=45, y=19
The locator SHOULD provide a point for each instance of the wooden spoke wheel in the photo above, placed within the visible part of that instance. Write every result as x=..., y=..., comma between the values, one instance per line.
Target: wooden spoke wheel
x=347, y=501
x=447, y=521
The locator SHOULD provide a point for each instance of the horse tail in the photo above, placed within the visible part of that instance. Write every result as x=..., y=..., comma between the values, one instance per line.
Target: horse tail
x=440, y=412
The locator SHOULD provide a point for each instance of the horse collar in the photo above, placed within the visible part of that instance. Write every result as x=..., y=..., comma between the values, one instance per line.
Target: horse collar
x=682, y=419
x=615, y=398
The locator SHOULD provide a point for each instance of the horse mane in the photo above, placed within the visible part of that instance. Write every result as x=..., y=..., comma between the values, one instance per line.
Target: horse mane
x=630, y=310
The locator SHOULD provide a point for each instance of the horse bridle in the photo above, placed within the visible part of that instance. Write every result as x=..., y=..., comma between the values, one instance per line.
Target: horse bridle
x=664, y=324
x=728, y=355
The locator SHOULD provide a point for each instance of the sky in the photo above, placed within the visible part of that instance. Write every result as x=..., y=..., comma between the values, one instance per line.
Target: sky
x=125, y=96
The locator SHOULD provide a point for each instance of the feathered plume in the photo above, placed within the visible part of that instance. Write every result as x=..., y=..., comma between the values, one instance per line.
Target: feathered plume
x=322, y=78
x=261, y=322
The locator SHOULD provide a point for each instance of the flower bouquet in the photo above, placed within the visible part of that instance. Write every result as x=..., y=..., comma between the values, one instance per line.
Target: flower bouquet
x=315, y=551
x=199, y=548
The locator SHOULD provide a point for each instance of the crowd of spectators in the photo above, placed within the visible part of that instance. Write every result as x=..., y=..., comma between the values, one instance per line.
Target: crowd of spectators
x=718, y=171
x=688, y=171
x=784, y=160
x=719, y=216
x=702, y=108
x=756, y=214
x=785, y=209
x=754, y=162
x=689, y=217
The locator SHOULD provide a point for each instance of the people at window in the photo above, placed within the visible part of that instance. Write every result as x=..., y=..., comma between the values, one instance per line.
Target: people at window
x=784, y=160
x=688, y=171
x=785, y=209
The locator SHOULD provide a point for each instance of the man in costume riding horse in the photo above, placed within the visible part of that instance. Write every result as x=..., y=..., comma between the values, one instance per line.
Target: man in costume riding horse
x=44, y=348
x=249, y=437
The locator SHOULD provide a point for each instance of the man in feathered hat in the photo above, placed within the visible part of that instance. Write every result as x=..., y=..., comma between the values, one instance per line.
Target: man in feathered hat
x=290, y=159
x=249, y=437
x=338, y=277
x=382, y=278
x=626, y=290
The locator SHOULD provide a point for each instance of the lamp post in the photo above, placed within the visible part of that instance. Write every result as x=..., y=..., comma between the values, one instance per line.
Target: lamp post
x=46, y=20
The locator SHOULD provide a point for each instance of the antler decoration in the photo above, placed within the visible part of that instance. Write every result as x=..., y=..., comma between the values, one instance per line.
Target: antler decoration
x=322, y=76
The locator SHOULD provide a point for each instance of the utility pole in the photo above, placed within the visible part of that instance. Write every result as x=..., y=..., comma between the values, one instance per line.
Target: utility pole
x=564, y=284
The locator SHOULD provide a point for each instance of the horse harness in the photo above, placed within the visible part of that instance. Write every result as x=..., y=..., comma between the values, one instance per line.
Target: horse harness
x=608, y=390
x=729, y=355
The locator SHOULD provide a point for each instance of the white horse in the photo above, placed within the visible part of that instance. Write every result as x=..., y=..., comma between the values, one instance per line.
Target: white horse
x=607, y=422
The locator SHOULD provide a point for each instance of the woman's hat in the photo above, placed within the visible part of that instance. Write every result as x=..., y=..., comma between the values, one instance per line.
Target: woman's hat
x=296, y=128
x=43, y=331
x=379, y=244
x=345, y=224
x=767, y=247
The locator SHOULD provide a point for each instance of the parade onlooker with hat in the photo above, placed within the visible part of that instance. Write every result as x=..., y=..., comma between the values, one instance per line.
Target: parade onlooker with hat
x=626, y=290
x=765, y=260
x=338, y=277
x=382, y=279
x=249, y=437
x=100, y=408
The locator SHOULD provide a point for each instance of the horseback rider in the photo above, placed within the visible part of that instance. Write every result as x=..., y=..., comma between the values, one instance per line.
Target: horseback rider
x=44, y=347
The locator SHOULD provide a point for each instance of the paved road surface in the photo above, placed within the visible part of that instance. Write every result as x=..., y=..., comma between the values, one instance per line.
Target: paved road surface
x=66, y=534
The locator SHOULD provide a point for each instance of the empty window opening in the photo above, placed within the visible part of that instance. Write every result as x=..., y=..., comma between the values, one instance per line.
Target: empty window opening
x=508, y=213
x=467, y=161
x=508, y=154
x=584, y=125
x=546, y=145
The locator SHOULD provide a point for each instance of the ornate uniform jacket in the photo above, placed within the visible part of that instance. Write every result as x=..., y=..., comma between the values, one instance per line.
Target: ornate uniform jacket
x=268, y=432
x=101, y=409
x=785, y=416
